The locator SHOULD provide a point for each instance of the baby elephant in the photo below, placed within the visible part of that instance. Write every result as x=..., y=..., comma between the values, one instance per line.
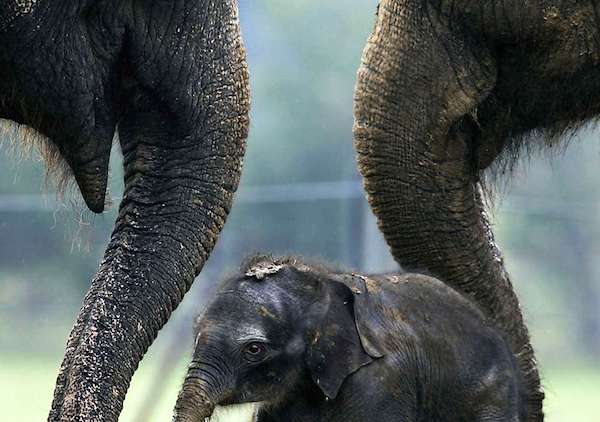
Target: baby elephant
x=312, y=344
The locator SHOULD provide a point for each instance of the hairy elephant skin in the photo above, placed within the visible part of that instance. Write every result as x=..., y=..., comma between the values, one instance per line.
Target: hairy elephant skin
x=447, y=89
x=314, y=344
x=172, y=77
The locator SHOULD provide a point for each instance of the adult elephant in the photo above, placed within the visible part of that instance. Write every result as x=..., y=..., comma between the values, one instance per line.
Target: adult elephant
x=445, y=89
x=172, y=77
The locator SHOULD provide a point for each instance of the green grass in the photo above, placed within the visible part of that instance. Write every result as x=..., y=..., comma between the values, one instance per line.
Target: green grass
x=26, y=383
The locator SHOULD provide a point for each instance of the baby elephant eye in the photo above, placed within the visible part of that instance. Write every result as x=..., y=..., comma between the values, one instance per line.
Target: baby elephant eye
x=255, y=351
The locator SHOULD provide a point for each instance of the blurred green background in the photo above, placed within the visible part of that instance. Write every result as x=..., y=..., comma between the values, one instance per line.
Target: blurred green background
x=300, y=192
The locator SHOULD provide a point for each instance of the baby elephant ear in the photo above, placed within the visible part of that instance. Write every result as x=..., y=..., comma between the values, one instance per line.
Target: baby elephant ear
x=335, y=350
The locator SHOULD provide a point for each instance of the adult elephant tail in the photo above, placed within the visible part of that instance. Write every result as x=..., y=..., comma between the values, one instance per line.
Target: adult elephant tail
x=419, y=85
x=183, y=129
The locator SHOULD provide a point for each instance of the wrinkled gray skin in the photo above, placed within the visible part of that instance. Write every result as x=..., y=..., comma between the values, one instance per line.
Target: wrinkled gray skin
x=447, y=88
x=172, y=77
x=313, y=344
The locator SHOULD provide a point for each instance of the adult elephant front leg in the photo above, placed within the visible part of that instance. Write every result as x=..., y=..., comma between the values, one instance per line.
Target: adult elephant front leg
x=415, y=118
x=182, y=132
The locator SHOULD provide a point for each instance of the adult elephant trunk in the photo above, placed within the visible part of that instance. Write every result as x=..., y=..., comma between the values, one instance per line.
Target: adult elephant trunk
x=415, y=131
x=182, y=131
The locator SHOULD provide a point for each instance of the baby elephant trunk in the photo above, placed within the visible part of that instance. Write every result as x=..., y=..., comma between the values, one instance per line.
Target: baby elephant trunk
x=193, y=404
x=198, y=396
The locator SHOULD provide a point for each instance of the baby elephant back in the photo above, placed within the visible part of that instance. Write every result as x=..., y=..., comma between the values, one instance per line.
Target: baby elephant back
x=441, y=345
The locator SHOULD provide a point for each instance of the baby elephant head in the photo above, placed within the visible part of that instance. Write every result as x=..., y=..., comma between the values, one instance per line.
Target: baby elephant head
x=275, y=328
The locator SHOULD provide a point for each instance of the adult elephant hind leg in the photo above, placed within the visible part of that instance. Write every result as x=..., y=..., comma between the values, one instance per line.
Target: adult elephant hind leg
x=416, y=99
